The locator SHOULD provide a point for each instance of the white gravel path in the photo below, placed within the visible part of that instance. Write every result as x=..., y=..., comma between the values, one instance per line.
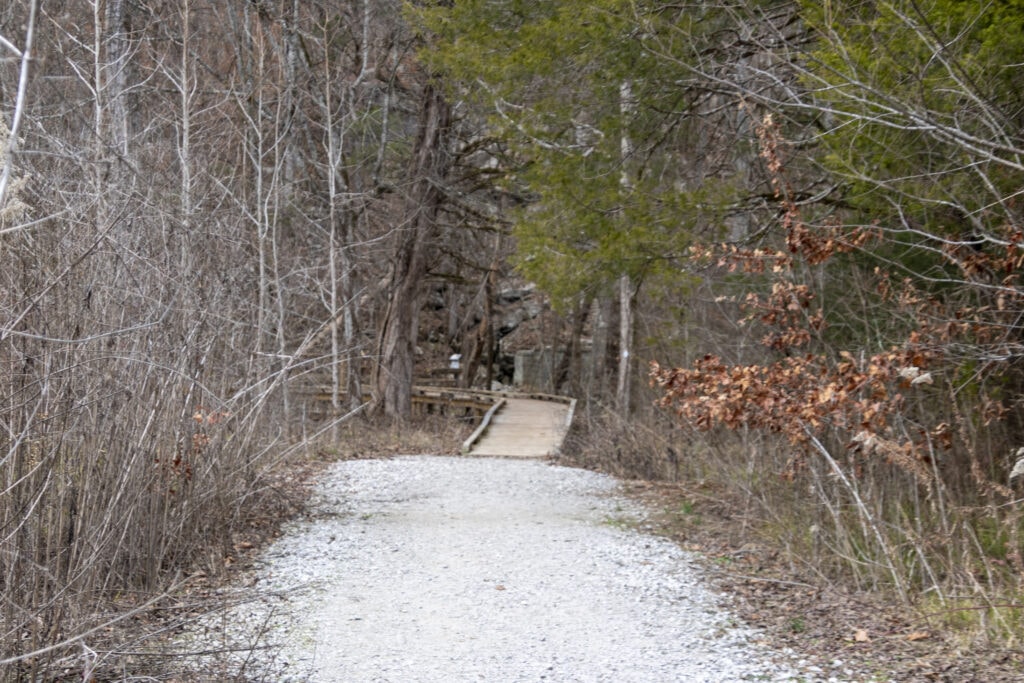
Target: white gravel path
x=426, y=568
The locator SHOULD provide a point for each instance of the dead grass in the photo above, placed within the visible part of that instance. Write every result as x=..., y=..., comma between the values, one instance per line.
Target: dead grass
x=823, y=621
x=767, y=541
x=430, y=434
x=140, y=647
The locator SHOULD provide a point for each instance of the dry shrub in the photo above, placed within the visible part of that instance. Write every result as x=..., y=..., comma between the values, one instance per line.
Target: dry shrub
x=602, y=440
x=378, y=437
x=869, y=422
x=868, y=526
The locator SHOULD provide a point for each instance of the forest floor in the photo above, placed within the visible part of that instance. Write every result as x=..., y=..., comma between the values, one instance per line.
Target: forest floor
x=820, y=620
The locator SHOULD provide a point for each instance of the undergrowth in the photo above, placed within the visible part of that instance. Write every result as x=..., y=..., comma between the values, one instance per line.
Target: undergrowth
x=946, y=563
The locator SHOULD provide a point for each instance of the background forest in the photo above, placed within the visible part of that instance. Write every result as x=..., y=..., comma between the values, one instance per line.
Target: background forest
x=782, y=241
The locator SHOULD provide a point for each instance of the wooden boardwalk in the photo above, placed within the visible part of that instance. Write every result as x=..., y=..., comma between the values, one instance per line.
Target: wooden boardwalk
x=522, y=428
x=512, y=425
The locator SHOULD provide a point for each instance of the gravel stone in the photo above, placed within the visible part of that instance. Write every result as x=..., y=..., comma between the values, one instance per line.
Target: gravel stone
x=427, y=568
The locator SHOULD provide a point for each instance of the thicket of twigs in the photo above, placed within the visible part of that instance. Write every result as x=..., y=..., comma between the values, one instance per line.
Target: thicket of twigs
x=206, y=208
x=892, y=466
x=200, y=207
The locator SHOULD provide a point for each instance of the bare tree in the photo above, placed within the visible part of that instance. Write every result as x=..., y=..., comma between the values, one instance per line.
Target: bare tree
x=195, y=196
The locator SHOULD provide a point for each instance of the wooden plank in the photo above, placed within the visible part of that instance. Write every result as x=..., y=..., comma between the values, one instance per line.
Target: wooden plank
x=512, y=425
x=524, y=428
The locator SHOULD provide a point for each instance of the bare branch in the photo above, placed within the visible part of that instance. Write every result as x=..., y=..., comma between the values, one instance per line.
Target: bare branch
x=19, y=102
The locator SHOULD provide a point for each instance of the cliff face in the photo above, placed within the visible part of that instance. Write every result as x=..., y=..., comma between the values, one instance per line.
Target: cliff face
x=452, y=333
x=535, y=348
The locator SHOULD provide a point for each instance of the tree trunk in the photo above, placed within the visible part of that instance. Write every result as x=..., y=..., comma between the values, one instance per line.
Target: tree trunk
x=567, y=374
x=627, y=293
x=480, y=345
x=605, y=347
x=393, y=373
x=115, y=79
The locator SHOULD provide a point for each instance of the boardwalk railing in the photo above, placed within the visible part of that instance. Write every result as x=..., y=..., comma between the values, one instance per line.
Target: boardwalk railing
x=484, y=425
x=450, y=401
x=503, y=397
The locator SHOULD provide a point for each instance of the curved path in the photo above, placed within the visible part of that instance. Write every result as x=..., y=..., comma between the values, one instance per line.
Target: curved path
x=525, y=428
x=433, y=569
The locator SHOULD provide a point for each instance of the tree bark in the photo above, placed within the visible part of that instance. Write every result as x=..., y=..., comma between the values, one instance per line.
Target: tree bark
x=566, y=372
x=627, y=293
x=393, y=372
x=115, y=79
x=11, y=143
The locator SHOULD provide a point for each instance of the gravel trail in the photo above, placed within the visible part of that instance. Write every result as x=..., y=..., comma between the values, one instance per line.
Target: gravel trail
x=427, y=568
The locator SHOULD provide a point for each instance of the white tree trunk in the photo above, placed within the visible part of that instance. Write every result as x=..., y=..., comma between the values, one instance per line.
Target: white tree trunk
x=627, y=291
x=11, y=143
